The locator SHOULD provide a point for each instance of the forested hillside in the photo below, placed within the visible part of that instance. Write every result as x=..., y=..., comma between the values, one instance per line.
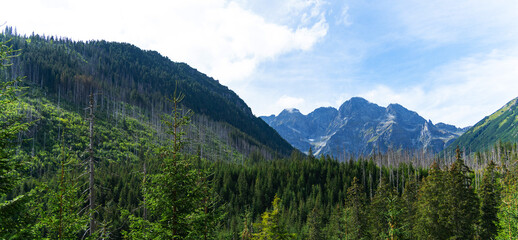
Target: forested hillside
x=99, y=168
x=120, y=73
x=501, y=126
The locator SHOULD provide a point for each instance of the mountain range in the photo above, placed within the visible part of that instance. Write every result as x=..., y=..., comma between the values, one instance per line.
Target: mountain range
x=362, y=127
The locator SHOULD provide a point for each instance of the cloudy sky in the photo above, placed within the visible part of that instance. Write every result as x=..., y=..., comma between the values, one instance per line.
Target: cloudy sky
x=450, y=61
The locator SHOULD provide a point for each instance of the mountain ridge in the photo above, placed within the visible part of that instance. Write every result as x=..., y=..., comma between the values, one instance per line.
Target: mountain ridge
x=501, y=126
x=361, y=127
x=142, y=78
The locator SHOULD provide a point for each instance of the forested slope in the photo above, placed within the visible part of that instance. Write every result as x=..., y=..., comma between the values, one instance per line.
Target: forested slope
x=121, y=72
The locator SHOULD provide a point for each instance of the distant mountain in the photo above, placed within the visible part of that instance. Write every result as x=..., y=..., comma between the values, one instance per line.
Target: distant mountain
x=361, y=127
x=124, y=74
x=499, y=126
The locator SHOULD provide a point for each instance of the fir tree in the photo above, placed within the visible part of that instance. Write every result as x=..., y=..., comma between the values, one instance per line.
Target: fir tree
x=12, y=212
x=461, y=201
x=430, y=222
x=355, y=212
x=314, y=223
x=270, y=226
x=177, y=196
x=489, y=201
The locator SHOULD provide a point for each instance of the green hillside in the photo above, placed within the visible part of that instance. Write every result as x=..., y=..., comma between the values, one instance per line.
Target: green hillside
x=499, y=126
x=121, y=73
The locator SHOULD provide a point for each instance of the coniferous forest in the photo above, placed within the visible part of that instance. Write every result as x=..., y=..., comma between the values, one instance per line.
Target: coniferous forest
x=86, y=156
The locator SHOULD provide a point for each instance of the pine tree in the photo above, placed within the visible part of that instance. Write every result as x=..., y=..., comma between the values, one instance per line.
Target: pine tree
x=355, y=212
x=178, y=196
x=59, y=214
x=489, y=203
x=270, y=226
x=409, y=207
x=462, y=203
x=385, y=212
x=508, y=213
x=430, y=222
x=314, y=223
x=12, y=212
x=335, y=227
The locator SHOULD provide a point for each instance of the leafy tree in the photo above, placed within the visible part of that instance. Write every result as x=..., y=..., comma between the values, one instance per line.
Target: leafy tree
x=270, y=226
x=489, y=201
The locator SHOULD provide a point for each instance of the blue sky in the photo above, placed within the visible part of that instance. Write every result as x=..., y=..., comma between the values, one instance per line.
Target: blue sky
x=450, y=61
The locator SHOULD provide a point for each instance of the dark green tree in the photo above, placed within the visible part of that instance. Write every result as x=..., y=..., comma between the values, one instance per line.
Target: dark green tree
x=177, y=197
x=489, y=202
x=409, y=207
x=462, y=202
x=385, y=213
x=12, y=212
x=315, y=225
x=355, y=212
x=430, y=222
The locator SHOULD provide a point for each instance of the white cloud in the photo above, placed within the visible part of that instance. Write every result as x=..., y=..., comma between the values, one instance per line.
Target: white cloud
x=446, y=21
x=344, y=18
x=286, y=102
x=218, y=37
x=461, y=92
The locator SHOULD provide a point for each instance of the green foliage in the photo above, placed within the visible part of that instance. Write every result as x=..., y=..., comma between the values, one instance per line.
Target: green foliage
x=508, y=212
x=461, y=201
x=59, y=204
x=489, y=194
x=355, y=212
x=177, y=197
x=498, y=127
x=11, y=122
x=270, y=226
x=431, y=207
x=315, y=225
x=145, y=79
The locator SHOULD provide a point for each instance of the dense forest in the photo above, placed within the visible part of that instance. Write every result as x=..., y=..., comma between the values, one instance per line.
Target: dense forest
x=90, y=167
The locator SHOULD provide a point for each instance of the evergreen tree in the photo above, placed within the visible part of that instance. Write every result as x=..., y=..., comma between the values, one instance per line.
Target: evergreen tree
x=314, y=223
x=12, y=212
x=355, y=212
x=335, y=227
x=58, y=213
x=508, y=214
x=409, y=207
x=176, y=196
x=489, y=201
x=462, y=202
x=270, y=226
x=431, y=207
x=385, y=212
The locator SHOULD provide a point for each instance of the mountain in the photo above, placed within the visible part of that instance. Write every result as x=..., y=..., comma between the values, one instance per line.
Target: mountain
x=124, y=75
x=361, y=127
x=499, y=126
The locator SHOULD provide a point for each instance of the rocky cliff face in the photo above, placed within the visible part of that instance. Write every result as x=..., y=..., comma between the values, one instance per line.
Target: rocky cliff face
x=361, y=127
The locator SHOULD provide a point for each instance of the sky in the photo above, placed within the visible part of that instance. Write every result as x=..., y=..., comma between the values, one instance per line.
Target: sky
x=450, y=61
